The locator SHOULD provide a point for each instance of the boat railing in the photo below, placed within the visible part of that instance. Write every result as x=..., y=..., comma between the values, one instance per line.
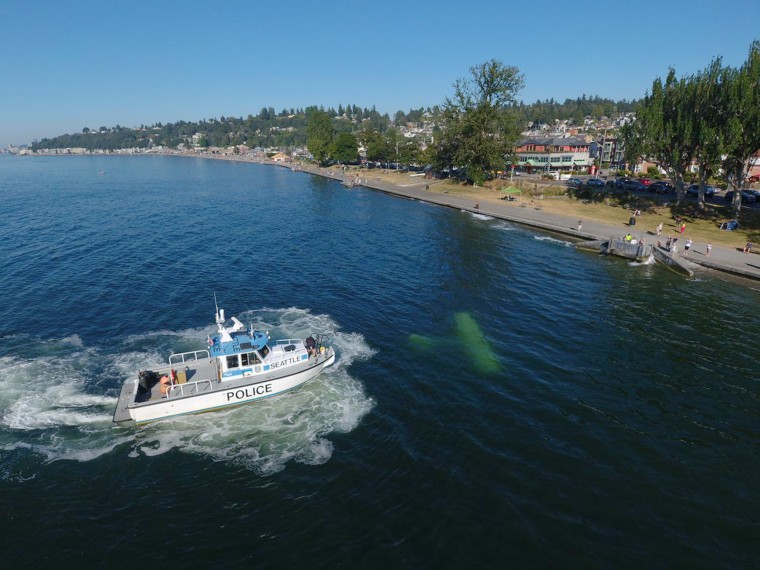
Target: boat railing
x=189, y=388
x=185, y=357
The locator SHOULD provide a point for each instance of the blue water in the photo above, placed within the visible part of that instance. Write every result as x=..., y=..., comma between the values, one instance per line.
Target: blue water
x=499, y=400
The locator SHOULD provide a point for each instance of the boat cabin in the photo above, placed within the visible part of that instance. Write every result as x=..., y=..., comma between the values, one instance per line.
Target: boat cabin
x=241, y=354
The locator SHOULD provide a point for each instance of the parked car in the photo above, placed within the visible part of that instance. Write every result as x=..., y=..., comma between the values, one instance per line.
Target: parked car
x=595, y=182
x=753, y=179
x=576, y=182
x=747, y=197
x=693, y=190
x=661, y=187
x=620, y=181
x=645, y=181
x=634, y=185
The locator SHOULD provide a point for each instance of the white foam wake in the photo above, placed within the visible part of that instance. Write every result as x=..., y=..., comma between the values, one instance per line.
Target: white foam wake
x=60, y=407
x=553, y=240
x=648, y=261
x=481, y=216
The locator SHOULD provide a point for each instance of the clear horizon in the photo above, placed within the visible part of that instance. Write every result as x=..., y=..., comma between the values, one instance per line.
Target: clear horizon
x=72, y=65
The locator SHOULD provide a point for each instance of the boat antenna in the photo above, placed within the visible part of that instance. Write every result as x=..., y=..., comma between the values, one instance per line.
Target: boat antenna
x=219, y=320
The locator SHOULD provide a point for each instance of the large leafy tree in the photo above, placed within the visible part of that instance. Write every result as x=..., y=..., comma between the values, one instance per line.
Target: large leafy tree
x=741, y=135
x=662, y=131
x=319, y=135
x=710, y=117
x=706, y=99
x=479, y=127
x=375, y=145
x=345, y=148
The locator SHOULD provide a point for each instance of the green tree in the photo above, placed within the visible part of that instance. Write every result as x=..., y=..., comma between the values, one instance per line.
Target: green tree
x=319, y=135
x=375, y=145
x=479, y=128
x=407, y=152
x=345, y=148
x=741, y=135
x=706, y=94
x=661, y=132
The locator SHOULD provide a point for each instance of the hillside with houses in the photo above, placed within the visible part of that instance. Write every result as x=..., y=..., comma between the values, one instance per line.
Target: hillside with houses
x=550, y=144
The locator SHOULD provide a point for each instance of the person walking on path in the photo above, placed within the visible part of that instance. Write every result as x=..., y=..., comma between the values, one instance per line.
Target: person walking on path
x=683, y=227
x=748, y=247
x=580, y=225
x=709, y=249
x=674, y=248
x=687, y=247
x=659, y=229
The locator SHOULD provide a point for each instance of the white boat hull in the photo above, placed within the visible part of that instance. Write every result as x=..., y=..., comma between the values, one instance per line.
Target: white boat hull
x=233, y=394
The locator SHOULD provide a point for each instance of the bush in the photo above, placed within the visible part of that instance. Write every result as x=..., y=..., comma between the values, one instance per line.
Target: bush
x=554, y=191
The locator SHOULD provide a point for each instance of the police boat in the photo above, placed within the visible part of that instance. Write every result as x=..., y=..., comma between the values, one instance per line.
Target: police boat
x=241, y=365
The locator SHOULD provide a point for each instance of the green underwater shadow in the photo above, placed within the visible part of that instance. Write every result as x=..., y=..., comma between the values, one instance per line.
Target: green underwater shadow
x=468, y=338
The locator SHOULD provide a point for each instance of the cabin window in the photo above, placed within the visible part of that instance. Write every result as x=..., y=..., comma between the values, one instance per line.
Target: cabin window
x=249, y=359
x=264, y=351
x=232, y=361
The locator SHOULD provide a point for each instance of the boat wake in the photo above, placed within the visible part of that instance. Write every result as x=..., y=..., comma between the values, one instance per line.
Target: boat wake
x=57, y=400
x=505, y=226
x=553, y=240
x=648, y=261
x=481, y=216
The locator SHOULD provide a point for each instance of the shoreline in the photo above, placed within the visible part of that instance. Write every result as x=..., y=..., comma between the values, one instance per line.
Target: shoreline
x=721, y=258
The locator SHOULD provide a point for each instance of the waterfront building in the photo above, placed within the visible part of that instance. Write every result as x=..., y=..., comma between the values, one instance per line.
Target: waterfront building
x=563, y=154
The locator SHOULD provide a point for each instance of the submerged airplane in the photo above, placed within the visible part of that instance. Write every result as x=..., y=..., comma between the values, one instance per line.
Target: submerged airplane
x=468, y=338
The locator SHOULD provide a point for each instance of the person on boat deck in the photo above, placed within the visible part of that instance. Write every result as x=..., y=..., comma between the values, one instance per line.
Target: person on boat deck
x=311, y=346
x=165, y=384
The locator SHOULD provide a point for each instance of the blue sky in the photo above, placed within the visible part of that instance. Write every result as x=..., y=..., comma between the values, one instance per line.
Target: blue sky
x=65, y=65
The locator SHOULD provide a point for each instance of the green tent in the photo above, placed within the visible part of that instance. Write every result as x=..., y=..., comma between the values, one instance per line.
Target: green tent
x=510, y=192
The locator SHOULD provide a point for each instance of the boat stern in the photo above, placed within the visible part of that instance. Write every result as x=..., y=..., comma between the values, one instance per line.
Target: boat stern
x=126, y=398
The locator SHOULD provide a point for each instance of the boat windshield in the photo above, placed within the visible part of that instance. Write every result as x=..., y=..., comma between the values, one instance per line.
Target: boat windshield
x=249, y=358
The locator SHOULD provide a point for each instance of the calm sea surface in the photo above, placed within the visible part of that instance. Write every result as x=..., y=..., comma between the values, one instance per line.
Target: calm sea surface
x=500, y=400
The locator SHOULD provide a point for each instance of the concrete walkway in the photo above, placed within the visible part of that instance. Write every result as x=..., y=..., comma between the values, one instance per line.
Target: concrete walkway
x=721, y=258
